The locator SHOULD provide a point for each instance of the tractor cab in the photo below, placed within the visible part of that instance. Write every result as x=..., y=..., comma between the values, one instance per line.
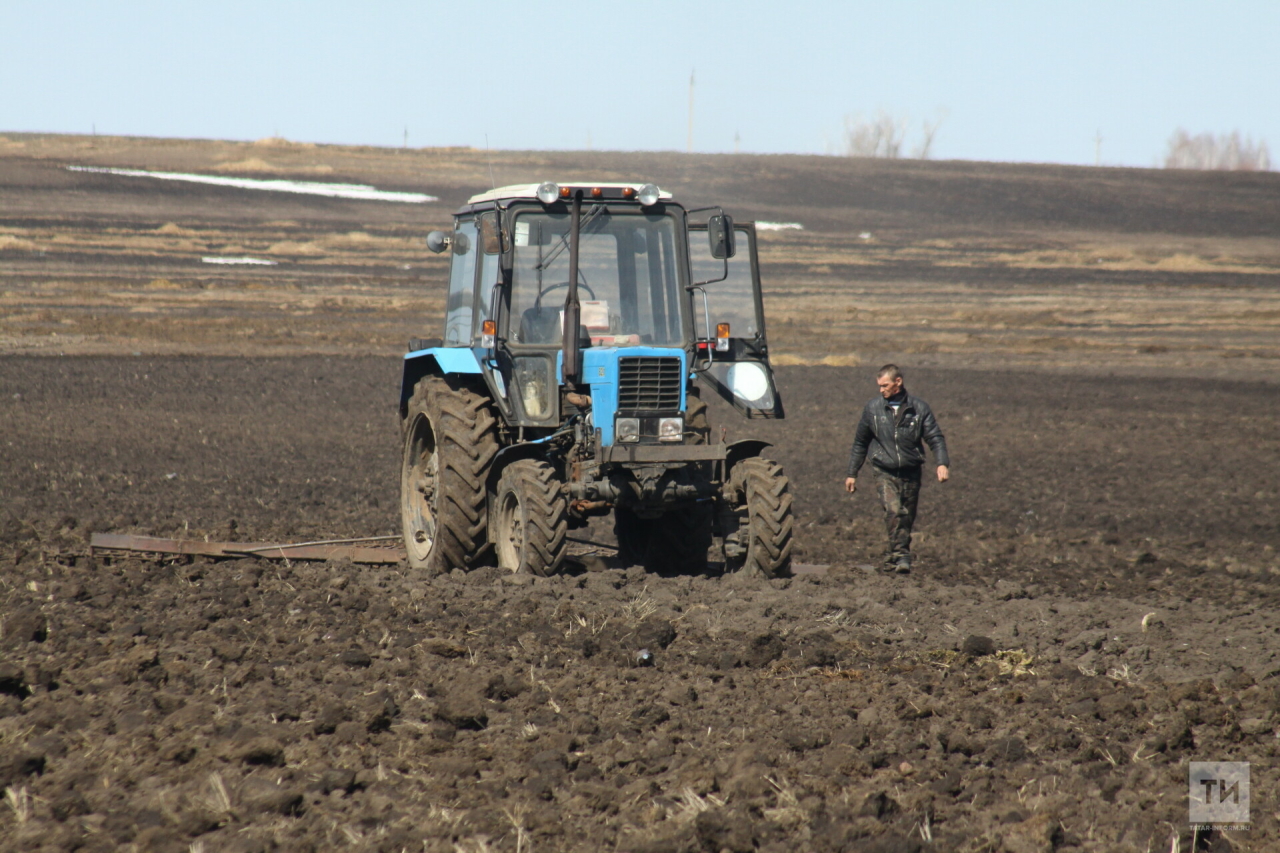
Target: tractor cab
x=648, y=284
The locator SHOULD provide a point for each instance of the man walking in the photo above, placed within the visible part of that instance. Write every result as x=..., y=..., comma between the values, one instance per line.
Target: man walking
x=893, y=431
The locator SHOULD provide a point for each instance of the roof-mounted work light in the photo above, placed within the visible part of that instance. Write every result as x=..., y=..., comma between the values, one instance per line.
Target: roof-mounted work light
x=548, y=192
x=649, y=194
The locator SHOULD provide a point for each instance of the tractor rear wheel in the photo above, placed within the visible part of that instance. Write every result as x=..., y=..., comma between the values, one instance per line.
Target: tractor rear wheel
x=675, y=543
x=450, y=439
x=764, y=535
x=531, y=519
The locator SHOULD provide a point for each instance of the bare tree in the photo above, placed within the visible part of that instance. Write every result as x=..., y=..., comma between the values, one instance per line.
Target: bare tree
x=885, y=135
x=928, y=131
x=880, y=137
x=1227, y=152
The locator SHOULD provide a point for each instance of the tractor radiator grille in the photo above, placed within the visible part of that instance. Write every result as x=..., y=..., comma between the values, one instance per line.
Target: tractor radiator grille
x=649, y=384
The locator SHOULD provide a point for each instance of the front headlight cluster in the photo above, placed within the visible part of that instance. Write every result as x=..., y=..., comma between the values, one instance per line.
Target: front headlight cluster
x=627, y=430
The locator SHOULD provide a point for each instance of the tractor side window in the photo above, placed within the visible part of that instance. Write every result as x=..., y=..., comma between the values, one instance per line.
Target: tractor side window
x=462, y=279
x=733, y=300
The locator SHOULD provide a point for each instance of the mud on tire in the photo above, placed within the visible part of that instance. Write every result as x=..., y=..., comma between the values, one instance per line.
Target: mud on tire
x=450, y=439
x=530, y=519
x=765, y=523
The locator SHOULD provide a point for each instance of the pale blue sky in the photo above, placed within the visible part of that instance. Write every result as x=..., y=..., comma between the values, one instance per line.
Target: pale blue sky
x=1022, y=81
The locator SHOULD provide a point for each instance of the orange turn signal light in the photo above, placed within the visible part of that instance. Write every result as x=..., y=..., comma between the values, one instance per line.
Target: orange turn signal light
x=596, y=192
x=722, y=330
x=564, y=192
x=629, y=192
x=490, y=327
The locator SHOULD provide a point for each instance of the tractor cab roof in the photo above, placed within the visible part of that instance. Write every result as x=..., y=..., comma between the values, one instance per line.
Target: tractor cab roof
x=530, y=191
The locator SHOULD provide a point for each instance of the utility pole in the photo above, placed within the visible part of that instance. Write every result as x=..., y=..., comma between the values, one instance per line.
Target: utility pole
x=690, y=143
x=737, y=140
x=1097, y=148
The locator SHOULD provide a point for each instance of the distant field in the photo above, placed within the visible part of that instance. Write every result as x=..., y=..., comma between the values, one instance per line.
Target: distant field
x=963, y=264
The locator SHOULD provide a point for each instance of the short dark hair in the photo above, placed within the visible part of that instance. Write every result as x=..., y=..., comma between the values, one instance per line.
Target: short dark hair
x=889, y=371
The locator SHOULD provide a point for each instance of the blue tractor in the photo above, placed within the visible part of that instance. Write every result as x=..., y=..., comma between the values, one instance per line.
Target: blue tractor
x=581, y=324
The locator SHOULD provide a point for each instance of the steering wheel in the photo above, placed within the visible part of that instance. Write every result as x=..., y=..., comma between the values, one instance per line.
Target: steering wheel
x=582, y=285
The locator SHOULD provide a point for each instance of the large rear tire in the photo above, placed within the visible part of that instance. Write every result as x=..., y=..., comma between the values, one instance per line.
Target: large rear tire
x=531, y=519
x=675, y=543
x=450, y=439
x=764, y=535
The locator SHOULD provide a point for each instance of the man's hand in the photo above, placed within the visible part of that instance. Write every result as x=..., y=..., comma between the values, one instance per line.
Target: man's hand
x=850, y=484
x=944, y=473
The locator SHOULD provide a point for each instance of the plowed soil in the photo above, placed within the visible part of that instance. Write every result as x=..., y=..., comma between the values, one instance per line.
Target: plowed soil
x=1093, y=607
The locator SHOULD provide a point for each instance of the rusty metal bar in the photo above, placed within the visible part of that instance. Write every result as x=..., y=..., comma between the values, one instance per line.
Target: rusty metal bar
x=282, y=551
x=324, y=542
x=589, y=542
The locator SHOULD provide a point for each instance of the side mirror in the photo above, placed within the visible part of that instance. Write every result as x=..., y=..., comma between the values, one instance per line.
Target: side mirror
x=438, y=241
x=720, y=235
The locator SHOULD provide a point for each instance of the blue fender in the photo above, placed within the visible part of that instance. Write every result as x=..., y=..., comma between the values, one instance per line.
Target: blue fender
x=745, y=449
x=435, y=361
x=512, y=452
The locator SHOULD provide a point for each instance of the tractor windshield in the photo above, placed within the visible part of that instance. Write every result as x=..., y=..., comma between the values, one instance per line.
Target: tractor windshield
x=628, y=284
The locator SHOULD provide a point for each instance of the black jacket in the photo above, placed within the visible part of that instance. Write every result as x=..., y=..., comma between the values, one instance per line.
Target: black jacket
x=894, y=444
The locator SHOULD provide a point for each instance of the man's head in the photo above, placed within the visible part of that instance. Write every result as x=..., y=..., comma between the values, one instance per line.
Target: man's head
x=889, y=380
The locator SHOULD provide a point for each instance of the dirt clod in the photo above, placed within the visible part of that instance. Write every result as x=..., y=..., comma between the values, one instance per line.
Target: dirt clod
x=355, y=657
x=978, y=646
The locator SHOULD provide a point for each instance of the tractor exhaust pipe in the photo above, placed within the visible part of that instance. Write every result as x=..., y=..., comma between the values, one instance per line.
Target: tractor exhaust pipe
x=572, y=309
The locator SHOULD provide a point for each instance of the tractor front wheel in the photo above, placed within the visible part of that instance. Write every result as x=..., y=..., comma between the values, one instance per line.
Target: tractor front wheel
x=531, y=519
x=763, y=538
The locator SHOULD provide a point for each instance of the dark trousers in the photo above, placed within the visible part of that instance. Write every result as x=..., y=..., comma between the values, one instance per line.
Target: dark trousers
x=899, y=491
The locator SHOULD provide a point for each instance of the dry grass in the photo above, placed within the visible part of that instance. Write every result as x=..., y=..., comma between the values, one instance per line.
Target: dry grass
x=20, y=802
x=639, y=607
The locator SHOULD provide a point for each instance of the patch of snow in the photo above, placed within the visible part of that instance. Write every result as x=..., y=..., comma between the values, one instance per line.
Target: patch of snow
x=258, y=261
x=360, y=192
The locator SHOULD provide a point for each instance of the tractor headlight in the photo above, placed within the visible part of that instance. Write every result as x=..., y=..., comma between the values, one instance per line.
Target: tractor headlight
x=627, y=429
x=649, y=194
x=548, y=192
x=671, y=429
x=748, y=381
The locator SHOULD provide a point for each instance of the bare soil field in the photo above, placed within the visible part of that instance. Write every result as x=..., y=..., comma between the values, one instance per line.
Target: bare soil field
x=972, y=264
x=1094, y=604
